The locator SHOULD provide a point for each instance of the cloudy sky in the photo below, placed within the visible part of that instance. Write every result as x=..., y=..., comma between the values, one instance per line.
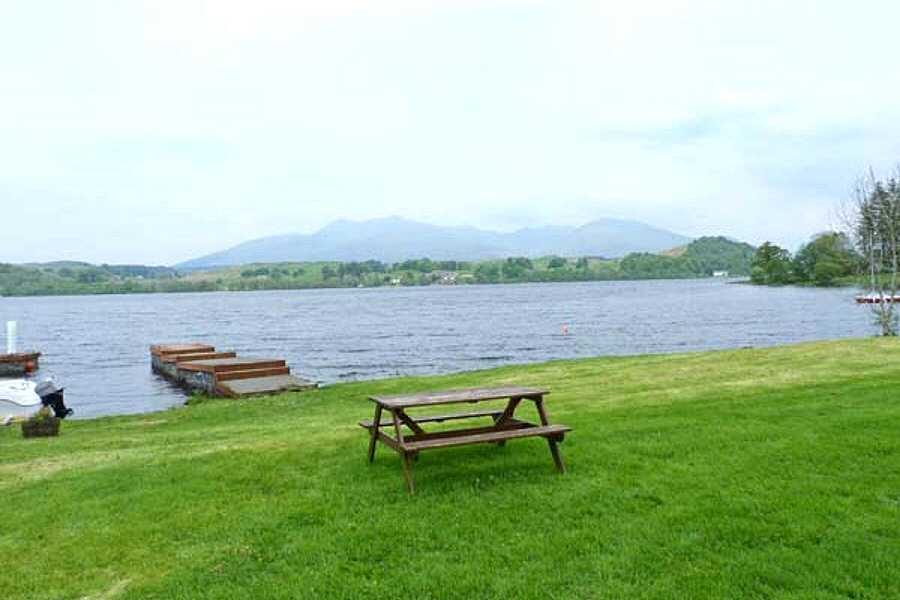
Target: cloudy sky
x=161, y=130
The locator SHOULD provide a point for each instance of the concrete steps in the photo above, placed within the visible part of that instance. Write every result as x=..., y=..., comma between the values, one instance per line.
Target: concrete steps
x=261, y=386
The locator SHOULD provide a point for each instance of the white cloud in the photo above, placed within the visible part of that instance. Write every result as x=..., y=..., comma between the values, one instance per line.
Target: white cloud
x=203, y=123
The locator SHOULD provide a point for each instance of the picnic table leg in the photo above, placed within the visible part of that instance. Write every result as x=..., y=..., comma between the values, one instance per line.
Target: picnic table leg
x=375, y=425
x=407, y=458
x=407, y=471
x=554, y=445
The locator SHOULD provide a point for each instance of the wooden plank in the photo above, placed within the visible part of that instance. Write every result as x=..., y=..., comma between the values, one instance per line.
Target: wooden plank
x=439, y=418
x=177, y=358
x=163, y=349
x=509, y=411
x=554, y=446
x=455, y=396
x=374, y=428
x=389, y=441
x=264, y=385
x=409, y=422
x=252, y=374
x=221, y=365
x=494, y=436
x=397, y=430
x=507, y=415
x=512, y=424
x=407, y=473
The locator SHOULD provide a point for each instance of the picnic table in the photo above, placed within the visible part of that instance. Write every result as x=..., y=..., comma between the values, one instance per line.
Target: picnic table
x=504, y=424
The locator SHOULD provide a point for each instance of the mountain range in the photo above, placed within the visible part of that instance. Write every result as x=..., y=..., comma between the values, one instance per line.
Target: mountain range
x=394, y=239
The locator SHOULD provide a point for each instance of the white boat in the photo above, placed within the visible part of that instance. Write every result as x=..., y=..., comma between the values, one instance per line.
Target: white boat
x=18, y=399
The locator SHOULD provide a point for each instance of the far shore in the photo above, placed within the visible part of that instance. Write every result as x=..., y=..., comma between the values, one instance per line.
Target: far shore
x=200, y=290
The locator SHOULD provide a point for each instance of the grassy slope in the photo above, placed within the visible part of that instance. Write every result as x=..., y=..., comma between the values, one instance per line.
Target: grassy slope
x=766, y=473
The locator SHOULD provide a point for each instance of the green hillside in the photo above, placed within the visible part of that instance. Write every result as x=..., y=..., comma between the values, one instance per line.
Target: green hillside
x=700, y=258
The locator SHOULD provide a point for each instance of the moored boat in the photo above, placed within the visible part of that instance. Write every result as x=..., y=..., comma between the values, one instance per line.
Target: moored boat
x=22, y=398
x=18, y=399
x=877, y=299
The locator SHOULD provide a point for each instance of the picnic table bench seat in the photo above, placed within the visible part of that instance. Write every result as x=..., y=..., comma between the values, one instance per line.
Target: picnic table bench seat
x=550, y=431
x=505, y=426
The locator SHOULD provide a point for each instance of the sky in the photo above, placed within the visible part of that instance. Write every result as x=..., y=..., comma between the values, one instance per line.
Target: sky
x=154, y=132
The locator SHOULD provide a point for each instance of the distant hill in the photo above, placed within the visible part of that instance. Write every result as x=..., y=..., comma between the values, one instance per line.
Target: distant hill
x=711, y=254
x=394, y=239
x=74, y=277
x=701, y=258
x=675, y=252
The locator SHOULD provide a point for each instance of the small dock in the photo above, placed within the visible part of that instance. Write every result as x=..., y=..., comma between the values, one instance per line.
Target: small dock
x=19, y=364
x=222, y=373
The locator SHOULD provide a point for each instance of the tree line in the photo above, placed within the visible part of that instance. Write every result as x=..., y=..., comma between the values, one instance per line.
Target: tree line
x=866, y=252
x=701, y=258
x=828, y=259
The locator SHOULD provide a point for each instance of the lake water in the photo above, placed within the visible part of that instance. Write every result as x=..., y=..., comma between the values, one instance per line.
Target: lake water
x=97, y=346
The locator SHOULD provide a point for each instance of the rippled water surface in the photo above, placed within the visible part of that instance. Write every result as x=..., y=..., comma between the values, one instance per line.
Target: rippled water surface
x=97, y=346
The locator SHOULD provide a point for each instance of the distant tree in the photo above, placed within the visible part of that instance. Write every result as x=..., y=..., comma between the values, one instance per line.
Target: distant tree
x=771, y=265
x=328, y=272
x=450, y=265
x=375, y=266
x=582, y=263
x=873, y=218
x=487, y=273
x=88, y=276
x=825, y=259
x=422, y=265
x=557, y=263
x=255, y=272
x=707, y=255
x=644, y=265
x=516, y=267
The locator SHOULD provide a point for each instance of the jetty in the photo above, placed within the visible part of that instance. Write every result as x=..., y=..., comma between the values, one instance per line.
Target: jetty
x=202, y=368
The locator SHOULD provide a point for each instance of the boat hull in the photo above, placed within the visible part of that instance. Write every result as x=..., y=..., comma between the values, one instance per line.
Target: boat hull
x=18, y=399
x=874, y=299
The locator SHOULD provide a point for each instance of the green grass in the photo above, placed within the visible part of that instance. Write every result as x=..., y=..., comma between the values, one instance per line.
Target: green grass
x=753, y=473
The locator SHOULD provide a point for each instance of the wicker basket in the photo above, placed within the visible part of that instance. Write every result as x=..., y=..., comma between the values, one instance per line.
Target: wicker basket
x=44, y=428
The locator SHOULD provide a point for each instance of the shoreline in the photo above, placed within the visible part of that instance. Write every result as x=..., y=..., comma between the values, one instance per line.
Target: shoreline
x=197, y=399
x=361, y=335
x=69, y=294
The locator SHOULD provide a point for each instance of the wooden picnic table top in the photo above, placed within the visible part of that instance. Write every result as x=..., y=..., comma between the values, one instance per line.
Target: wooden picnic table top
x=456, y=396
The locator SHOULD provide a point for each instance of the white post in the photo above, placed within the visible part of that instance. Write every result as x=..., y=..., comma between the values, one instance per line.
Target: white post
x=10, y=337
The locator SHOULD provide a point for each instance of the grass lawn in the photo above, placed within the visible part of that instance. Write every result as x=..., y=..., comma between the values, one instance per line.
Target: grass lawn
x=752, y=473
